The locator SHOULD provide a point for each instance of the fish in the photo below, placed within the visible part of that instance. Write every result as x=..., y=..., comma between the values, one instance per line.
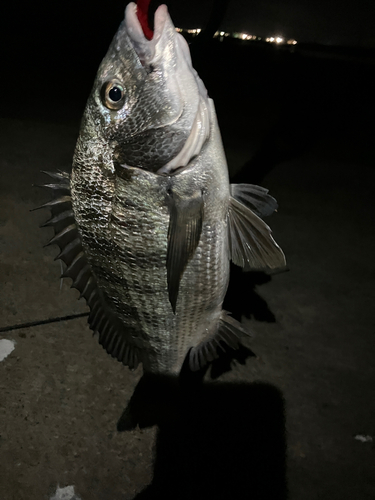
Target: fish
x=147, y=221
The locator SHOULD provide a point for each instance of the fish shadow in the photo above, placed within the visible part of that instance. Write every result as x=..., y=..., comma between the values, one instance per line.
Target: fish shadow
x=214, y=440
x=243, y=300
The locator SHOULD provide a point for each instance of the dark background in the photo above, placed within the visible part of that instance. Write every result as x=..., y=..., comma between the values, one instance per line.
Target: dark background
x=299, y=121
x=51, y=51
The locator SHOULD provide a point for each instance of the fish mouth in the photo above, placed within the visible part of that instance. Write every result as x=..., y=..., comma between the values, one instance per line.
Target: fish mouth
x=145, y=48
x=150, y=51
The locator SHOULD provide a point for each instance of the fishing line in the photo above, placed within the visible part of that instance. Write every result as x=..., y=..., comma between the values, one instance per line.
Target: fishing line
x=42, y=322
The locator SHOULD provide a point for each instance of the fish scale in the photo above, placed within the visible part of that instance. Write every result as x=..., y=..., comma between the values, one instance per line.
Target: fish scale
x=150, y=218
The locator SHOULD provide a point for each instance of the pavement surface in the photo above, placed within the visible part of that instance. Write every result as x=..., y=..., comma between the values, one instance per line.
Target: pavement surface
x=295, y=420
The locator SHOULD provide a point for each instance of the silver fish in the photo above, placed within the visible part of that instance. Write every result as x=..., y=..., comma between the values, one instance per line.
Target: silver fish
x=147, y=222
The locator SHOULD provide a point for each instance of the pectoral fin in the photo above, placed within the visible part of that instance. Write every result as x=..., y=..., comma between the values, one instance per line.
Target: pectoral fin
x=250, y=242
x=254, y=197
x=185, y=227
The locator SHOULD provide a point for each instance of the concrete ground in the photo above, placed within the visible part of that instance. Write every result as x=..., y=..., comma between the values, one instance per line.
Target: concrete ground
x=299, y=416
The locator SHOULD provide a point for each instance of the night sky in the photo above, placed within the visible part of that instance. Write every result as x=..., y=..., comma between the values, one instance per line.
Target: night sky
x=50, y=51
x=338, y=22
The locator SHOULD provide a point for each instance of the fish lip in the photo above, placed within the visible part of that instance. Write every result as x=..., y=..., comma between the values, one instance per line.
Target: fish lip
x=145, y=48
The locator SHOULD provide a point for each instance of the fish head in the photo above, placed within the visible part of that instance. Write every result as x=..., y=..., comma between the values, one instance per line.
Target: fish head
x=145, y=101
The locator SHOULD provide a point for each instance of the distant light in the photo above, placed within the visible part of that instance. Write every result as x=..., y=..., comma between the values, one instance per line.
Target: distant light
x=279, y=39
x=363, y=438
x=243, y=36
x=194, y=31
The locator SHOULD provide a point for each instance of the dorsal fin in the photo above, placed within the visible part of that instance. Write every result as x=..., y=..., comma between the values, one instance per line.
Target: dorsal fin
x=112, y=335
x=185, y=227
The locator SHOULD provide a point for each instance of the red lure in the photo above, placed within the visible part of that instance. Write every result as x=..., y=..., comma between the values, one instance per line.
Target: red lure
x=142, y=13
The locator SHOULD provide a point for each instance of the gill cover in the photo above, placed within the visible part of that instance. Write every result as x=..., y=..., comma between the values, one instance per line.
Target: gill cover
x=146, y=98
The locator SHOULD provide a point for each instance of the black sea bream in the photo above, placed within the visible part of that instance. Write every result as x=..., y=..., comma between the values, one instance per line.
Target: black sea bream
x=147, y=221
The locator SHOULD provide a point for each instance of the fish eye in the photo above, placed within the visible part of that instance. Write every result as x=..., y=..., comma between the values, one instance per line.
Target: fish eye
x=112, y=94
